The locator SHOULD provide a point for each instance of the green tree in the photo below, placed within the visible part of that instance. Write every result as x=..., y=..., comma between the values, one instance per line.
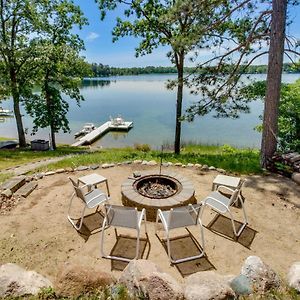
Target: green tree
x=289, y=112
x=17, y=53
x=60, y=68
x=183, y=26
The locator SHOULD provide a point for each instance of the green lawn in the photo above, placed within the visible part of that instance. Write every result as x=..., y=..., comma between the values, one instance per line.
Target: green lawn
x=10, y=158
x=240, y=161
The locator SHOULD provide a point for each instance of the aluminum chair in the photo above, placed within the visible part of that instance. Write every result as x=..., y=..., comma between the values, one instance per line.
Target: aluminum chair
x=126, y=217
x=93, y=198
x=180, y=217
x=221, y=204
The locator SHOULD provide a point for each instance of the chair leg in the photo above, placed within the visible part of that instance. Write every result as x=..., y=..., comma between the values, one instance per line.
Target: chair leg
x=237, y=234
x=81, y=218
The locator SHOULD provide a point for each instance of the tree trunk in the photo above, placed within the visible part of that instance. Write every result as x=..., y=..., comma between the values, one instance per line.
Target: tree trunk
x=270, y=122
x=49, y=108
x=53, y=142
x=180, y=65
x=16, y=100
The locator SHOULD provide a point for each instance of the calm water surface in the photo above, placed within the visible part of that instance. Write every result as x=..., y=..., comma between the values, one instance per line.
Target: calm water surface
x=145, y=100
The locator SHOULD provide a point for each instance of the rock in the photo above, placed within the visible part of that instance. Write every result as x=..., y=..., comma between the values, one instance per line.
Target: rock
x=39, y=175
x=212, y=168
x=241, y=285
x=106, y=166
x=294, y=276
x=136, y=174
x=14, y=183
x=69, y=169
x=170, y=163
x=76, y=280
x=26, y=189
x=221, y=170
x=49, y=173
x=204, y=168
x=183, y=166
x=144, y=162
x=142, y=277
x=81, y=168
x=152, y=163
x=198, y=166
x=296, y=177
x=189, y=165
x=127, y=162
x=28, y=178
x=7, y=193
x=58, y=171
x=137, y=161
x=165, y=164
x=207, y=286
x=178, y=164
x=16, y=281
x=263, y=278
x=94, y=167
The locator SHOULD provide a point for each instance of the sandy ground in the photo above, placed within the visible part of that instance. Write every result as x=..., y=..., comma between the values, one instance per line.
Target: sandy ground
x=38, y=236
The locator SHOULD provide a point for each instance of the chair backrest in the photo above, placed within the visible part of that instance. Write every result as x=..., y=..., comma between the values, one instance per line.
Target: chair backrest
x=74, y=183
x=121, y=216
x=78, y=191
x=183, y=216
x=235, y=195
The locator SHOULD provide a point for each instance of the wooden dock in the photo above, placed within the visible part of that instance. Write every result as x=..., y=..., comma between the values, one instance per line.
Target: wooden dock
x=100, y=131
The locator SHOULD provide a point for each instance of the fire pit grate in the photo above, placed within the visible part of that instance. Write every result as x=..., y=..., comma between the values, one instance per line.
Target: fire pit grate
x=157, y=187
x=151, y=191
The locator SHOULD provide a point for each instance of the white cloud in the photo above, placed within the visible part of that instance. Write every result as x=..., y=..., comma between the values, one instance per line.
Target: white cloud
x=92, y=36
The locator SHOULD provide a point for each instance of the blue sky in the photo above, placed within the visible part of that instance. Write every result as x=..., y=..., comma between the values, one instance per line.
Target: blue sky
x=101, y=49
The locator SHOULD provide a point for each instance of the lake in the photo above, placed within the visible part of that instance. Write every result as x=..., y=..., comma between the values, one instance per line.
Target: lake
x=145, y=100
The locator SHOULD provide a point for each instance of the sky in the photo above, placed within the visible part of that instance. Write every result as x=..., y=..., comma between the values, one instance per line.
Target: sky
x=100, y=48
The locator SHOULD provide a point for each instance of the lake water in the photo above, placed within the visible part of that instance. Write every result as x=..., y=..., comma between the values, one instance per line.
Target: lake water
x=145, y=100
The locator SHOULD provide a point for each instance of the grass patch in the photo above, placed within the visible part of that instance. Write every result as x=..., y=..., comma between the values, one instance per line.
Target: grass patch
x=240, y=161
x=2, y=138
x=15, y=157
x=5, y=176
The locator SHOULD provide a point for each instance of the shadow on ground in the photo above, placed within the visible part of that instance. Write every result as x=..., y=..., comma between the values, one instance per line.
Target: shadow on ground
x=186, y=246
x=222, y=225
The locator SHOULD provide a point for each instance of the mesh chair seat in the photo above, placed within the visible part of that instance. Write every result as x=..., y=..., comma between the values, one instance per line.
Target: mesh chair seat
x=218, y=202
x=122, y=216
x=180, y=217
x=94, y=198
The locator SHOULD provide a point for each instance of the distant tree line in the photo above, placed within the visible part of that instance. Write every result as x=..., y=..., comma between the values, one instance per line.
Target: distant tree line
x=101, y=70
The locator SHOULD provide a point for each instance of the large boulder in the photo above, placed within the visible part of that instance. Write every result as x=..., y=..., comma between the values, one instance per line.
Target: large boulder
x=207, y=286
x=263, y=278
x=75, y=280
x=143, y=277
x=294, y=276
x=16, y=281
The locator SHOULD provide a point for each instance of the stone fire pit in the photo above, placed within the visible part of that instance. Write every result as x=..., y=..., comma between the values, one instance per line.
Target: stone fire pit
x=154, y=191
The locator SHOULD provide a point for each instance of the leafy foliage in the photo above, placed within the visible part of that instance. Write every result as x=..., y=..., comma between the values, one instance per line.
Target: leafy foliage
x=289, y=112
x=60, y=68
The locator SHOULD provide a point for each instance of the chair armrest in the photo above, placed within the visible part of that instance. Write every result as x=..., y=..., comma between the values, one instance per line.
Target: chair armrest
x=225, y=187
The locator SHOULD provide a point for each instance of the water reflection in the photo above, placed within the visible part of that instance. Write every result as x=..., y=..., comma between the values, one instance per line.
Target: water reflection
x=95, y=82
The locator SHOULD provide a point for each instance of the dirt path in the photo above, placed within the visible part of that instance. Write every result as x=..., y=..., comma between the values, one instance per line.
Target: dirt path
x=25, y=168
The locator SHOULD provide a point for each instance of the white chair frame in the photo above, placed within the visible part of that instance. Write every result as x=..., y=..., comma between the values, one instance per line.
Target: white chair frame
x=166, y=225
x=102, y=199
x=227, y=208
x=140, y=217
